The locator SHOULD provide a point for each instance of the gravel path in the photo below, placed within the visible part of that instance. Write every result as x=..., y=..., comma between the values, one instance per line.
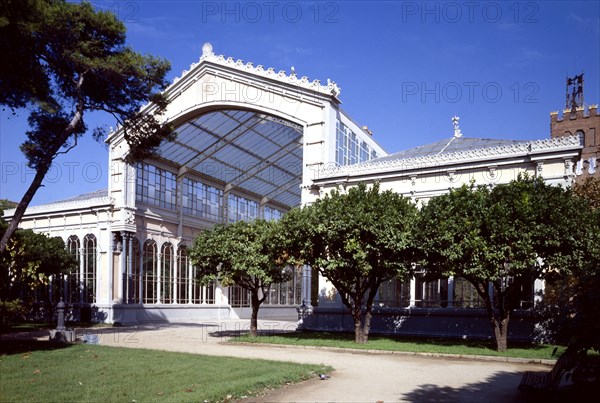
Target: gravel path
x=358, y=376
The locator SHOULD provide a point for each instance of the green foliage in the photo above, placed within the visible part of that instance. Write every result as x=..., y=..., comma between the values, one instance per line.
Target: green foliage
x=589, y=190
x=29, y=260
x=508, y=236
x=11, y=312
x=356, y=240
x=242, y=253
x=76, y=61
x=570, y=310
x=6, y=204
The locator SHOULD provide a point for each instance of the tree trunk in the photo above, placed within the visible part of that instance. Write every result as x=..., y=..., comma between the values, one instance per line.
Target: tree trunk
x=42, y=169
x=366, y=327
x=498, y=322
x=357, y=331
x=254, y=317
x=356, y=315
x=368, y=311
x=501, y=332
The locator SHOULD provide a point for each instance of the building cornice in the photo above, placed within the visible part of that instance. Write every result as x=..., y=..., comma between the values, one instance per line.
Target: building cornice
x=66, y=207
x=533, y=149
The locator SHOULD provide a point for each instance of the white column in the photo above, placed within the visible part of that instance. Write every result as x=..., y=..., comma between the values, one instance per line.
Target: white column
x=129, y=268
x=306, y=284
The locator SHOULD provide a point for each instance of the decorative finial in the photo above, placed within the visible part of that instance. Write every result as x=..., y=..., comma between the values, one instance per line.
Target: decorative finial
x=207, y=49
x=457, y=132
x=293, y=71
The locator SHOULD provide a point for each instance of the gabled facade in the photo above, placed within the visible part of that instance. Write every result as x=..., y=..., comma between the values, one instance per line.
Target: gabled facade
x=251, y=143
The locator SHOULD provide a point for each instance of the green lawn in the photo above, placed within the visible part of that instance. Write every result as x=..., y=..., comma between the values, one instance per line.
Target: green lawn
x=408, y=344
x=45, y=371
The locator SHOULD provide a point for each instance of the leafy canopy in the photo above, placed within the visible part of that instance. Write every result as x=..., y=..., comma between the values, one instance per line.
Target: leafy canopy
x=356, y=240
x=67, y=58
x=243, y=253
x=30, y=260
x=63, y=60
x=506, y=237
x=239, y=253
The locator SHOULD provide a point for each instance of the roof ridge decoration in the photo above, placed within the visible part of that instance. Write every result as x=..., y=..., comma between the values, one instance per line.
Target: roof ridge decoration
x=465, y=155
x=208, y=55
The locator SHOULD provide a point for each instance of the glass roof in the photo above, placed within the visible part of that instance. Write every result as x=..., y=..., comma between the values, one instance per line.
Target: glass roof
x=241, y=149
x=448, y=146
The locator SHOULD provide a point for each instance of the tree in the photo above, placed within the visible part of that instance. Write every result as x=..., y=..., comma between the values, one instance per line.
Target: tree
x=27, y=263
x=64, y=60
x=571, y=304
x=6, y=204
x=245, y=254
x=589, y=189
x=505, y=237
x=356, y=240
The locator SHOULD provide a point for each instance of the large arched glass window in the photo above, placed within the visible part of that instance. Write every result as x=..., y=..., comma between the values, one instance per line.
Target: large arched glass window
x=167, y=276
x=89, y=269
x=71, y=284
x=182, y=275
x=149, y=267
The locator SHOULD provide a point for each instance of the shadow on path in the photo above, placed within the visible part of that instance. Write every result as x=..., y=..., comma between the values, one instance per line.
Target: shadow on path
x=501, y=387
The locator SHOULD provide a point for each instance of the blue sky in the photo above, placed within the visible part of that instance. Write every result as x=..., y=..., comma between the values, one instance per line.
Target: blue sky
x=404, y=67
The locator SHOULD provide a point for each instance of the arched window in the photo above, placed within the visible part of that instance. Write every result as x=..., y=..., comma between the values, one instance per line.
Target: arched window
x=167, y=276
x=89, y=269
x=585, y=140
x=73, y=246
x=71, y=284
x=136, y=279
x=182, y=275
x=150, y=274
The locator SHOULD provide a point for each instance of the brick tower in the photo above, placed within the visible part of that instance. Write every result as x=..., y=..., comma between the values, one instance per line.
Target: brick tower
x=581, y=120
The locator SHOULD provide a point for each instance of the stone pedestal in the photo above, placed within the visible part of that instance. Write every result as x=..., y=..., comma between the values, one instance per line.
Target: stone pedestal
x=61, y=334
x=64, y=336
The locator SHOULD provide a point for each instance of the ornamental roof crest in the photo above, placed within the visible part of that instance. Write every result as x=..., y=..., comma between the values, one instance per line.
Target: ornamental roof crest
x=331, y=88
